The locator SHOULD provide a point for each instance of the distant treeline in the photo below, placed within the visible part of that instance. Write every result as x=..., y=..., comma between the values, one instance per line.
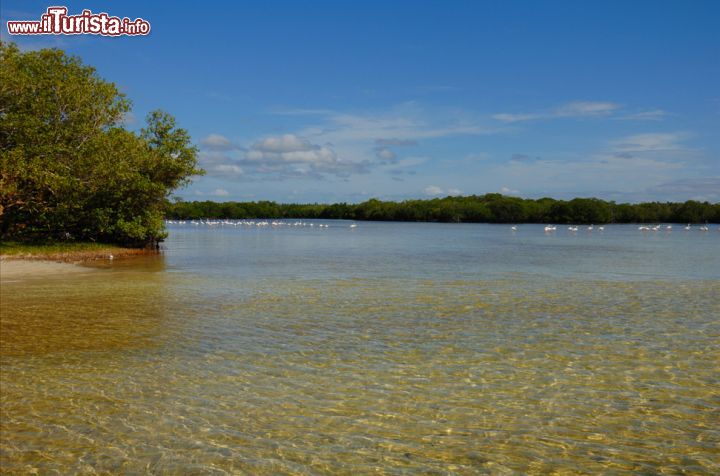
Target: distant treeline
x=490, y=208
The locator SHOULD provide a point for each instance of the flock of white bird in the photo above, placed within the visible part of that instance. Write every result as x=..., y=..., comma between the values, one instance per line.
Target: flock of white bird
x=571, y=228
x=275, y=223
x=249, y=223
x=575, y=228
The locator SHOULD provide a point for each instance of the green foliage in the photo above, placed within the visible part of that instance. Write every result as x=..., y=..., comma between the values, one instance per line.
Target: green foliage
x=68, y=169
x=490, y=208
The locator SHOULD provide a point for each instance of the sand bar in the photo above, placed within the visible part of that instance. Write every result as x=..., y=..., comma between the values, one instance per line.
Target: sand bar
x=17, y=269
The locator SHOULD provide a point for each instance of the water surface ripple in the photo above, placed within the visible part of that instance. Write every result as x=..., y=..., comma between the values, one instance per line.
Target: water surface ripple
x=390, y=348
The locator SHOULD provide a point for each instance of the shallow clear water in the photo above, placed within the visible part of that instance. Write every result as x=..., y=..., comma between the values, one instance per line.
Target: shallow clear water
x=391, y=348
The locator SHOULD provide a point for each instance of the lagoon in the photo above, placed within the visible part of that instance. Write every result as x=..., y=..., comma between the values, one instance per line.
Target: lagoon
x=391, y=347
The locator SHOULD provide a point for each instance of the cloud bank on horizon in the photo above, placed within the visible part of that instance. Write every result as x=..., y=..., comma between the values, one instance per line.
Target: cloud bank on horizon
x=344, y=103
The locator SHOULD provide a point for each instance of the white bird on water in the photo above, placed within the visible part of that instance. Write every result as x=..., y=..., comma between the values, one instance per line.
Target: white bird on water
x=354, y=225
x=513, y=228
x=550, y=228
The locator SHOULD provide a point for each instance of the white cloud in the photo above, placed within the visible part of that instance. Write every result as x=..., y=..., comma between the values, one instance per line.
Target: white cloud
x=505, y=117
x=227, y=169
x=301, y=112
x=220, y=165
x=218, y=192
x=401, y=126
x=338, y=145
x=395, y=142
x=654, y=115
x=509, y=191
x=405, y=166
x=216, y=142
x=580, y=109
x=411, y=161
x=596, y=174
x=569, y=110
x=277, y=158
x=282, y=144
x=290, y=149
x=290, y=155
x=433, y=190
x=386, y=154
x=586, y=108
x=384, y=151
x=628, y=168
x=651, y=142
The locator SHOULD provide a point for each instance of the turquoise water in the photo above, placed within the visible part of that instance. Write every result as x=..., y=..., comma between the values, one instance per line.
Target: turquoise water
x=394, y=348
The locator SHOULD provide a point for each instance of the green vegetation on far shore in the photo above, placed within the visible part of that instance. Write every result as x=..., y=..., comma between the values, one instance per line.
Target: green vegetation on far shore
x=489, y=208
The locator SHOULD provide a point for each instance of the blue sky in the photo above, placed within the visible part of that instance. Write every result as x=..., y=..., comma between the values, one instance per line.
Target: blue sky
x=344, y=101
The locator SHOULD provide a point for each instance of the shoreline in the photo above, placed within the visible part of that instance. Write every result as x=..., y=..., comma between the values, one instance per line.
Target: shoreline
x=32, y=264
x=14, y=270
x=77, y=256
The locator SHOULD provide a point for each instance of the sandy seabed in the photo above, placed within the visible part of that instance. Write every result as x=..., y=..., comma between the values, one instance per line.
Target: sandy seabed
x=16, y=269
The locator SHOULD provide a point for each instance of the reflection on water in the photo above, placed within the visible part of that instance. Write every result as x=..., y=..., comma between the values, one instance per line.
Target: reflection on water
x=163, y=365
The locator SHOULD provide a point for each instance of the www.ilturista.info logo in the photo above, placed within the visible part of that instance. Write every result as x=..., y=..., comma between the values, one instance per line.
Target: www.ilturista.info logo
x=57, y=22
